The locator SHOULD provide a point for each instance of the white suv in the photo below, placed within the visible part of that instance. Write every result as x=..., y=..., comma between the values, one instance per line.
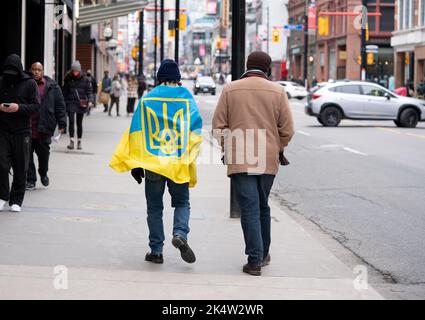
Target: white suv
x=332, y=102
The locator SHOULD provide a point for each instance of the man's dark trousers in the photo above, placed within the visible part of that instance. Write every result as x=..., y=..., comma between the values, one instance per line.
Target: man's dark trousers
x=252, y=193
x=14, y=153
x=42, y=148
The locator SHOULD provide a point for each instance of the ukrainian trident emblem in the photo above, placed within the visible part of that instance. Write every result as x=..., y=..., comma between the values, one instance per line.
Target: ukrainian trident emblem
x=166, y=127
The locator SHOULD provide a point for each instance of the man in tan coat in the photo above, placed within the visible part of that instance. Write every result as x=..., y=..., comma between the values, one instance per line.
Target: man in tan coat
x=253, y=123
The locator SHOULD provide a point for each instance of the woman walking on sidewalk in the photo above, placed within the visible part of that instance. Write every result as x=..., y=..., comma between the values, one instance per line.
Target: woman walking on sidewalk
x=163, y=148
x=133, y=85
x=78, y=95
x=115, y=95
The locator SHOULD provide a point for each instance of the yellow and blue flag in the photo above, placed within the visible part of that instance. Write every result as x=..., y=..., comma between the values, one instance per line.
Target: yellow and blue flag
x=164, y=136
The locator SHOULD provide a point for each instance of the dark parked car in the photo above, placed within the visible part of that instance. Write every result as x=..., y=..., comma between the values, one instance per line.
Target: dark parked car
x=204, y=85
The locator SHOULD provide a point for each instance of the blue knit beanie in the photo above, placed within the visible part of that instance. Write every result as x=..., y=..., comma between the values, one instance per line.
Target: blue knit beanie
x=168, y=71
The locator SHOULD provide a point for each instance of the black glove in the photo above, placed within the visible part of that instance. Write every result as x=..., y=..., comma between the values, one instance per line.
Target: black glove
x=138, y=174
x=282, y=159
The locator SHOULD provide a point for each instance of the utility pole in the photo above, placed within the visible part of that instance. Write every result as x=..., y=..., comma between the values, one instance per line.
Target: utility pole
x=155, y=41
x=141, y=36
x=268, y=28
x=177, y=35
x=238, y=38
x=363, y=41
x=162, y=31
x=238, y=67
x=305, y=69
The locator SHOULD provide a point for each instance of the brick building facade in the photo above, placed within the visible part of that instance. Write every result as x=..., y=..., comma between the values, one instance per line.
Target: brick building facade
x=409, y=42
x=335, y=56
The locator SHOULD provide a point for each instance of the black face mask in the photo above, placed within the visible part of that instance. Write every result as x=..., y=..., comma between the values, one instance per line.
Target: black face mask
x=10, y=78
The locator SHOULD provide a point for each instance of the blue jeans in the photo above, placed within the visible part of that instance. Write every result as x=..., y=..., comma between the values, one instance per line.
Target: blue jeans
x=252, y=193
x=154, y=191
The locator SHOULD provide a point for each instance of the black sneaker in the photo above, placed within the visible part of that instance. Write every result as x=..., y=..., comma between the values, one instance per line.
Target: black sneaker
x=45, y=181
x=252, y=270
x=266, y=261
x=71, y=145
x=154, y=258
x=30, y=186
x=185, y=251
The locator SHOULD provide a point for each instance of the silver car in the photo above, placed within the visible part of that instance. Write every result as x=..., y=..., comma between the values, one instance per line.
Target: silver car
x=332, y=102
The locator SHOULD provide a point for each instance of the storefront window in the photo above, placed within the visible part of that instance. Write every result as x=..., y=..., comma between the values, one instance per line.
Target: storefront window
x=401, y=14
x=371, y=21
x=387, y=19
x=422, y=13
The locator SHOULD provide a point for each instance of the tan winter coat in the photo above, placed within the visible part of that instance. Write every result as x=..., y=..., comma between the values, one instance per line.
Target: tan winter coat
x=253, y=123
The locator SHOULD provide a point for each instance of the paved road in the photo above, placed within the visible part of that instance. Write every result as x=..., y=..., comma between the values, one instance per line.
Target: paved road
x=363, y=183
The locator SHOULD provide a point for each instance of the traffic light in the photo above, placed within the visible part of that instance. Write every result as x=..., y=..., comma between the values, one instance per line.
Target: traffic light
x=218, y=43
x=407, y=58
x=155, y=40
x=359, y=59
x=323, y=26
x=182, y=21
x=171, y=33
x=370, y=58
x=367, y=32
x=275, y=35
x=135, y=53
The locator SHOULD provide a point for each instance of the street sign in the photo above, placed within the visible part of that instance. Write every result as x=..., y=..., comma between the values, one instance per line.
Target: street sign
x=371, y=48
x=293, y=27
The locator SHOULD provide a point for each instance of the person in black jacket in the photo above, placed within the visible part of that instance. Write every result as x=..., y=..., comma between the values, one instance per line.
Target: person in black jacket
x=93, y=82
x=19, y=99
x=77, y=87
x=43, y=124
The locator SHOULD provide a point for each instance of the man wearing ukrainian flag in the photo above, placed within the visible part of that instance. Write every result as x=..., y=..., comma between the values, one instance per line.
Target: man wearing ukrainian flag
x=162, y=145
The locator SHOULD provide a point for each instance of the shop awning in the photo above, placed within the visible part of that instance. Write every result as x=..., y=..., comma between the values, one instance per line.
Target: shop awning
x=92, y=14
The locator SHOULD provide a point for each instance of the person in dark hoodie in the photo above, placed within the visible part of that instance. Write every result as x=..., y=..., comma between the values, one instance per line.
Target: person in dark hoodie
x=43, y=123
x=77, y=88
x=19, y=99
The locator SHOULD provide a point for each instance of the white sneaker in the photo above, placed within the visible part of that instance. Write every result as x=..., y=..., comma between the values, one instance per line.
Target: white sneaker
x=2, y=204
x=15, y=208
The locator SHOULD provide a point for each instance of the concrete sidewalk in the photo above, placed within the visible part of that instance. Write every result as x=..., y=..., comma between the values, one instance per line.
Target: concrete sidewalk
x=93, y=221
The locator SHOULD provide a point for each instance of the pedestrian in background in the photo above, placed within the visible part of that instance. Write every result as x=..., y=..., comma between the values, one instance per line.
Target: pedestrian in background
x=141, y=86
x=52, y=113
x=105, y=94
x=167, y=161
x=19, y=99
x=115, y=95
x=254, y=103
x=78, y=95
x=133, y=86
x=391, y=83
x=93, y=82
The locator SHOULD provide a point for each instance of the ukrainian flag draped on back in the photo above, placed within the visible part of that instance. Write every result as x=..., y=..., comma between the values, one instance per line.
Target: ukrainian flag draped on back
x=164, y=136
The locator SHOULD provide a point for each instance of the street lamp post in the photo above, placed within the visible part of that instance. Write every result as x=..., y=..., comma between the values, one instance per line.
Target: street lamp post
x=155, y=42
x=305, y=76
x=177, y=25
x=363, y=40
x=238, y=67
x=141, y=36
x=162, y=31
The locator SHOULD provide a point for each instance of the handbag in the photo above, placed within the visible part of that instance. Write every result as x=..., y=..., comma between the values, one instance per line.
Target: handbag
x=84, y=103
x=104, y=98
